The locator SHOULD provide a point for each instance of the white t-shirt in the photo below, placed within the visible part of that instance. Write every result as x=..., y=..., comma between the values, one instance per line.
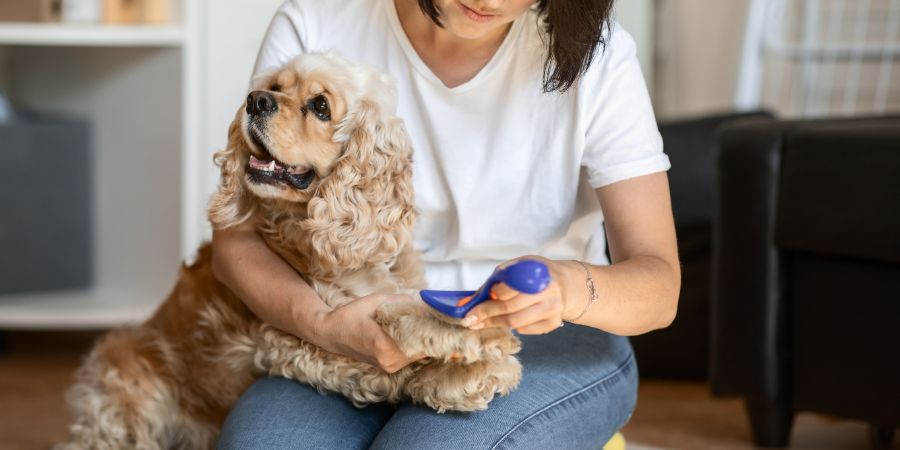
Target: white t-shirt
x=501, y=169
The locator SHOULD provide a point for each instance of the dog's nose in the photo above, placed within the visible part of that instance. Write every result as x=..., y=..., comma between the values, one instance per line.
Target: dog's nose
x=260, y=102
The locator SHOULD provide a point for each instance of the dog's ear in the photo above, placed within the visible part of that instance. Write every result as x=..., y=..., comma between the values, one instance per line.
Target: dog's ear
x=230, y=205
x=363, y=211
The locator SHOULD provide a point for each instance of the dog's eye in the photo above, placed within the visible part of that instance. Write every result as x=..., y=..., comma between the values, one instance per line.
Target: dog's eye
x=275, y=87
x=319, y=107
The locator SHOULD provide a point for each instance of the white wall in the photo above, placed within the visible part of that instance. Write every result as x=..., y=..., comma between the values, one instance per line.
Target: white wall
x=636, y=16
x=231, y=35
x=697, y=55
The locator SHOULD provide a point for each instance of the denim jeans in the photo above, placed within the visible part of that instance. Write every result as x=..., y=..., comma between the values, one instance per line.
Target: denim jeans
x=579, y=386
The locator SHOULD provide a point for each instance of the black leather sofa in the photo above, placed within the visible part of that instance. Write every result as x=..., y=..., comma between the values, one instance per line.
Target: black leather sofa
x=806, y=272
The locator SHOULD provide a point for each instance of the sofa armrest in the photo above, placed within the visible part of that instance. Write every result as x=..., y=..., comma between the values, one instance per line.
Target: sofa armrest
x=748, y=334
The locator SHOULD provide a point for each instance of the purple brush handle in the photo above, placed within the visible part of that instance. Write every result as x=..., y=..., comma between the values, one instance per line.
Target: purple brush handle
x=527, y=276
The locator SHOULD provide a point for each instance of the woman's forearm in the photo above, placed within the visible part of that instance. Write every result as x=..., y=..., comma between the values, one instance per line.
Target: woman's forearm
x=266, y=283
x=633, y=296
x=279, y=296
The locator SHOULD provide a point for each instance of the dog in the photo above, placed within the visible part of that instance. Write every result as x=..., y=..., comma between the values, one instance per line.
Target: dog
x=321, y=166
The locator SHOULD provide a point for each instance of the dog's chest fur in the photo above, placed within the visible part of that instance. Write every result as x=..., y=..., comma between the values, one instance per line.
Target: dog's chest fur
x=394, y=273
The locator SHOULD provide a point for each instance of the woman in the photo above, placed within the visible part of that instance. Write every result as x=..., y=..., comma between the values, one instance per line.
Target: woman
x=525, y=119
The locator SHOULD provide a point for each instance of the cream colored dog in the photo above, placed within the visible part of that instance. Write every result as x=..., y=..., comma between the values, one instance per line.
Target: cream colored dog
x=320, y=165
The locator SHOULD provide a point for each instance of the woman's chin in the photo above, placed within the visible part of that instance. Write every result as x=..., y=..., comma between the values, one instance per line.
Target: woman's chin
x=467, y=29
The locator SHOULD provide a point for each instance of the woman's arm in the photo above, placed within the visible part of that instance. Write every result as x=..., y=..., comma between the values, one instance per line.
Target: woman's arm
x=637, y=293
x=266, y=283
x=279, y=296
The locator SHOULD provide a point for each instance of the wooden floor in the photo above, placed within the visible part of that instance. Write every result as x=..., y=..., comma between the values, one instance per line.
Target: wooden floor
x=36, y=367
x=681, y=415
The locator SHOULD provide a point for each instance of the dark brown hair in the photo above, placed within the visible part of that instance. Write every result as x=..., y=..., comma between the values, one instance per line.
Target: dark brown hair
x=575, y=29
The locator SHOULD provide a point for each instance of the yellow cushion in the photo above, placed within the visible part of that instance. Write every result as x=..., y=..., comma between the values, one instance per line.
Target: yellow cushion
x=617, y=442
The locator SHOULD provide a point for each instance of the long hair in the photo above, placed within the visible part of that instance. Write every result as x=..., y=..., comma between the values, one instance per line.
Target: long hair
x=575, y=28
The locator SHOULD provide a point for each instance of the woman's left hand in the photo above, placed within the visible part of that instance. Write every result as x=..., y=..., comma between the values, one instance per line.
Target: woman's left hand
x=527, y=313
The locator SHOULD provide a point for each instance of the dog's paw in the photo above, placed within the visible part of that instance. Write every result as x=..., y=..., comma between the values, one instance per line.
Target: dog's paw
x=463, y=387
x=409, y=326
x=506, y=375
x=416, y=331
x=392, y=314
x=496, y=344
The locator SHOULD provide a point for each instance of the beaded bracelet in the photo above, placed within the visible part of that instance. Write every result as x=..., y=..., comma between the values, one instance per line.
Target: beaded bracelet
x=590, y=285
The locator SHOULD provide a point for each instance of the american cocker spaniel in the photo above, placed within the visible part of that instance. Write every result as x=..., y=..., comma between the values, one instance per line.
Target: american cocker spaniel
x=320, y=164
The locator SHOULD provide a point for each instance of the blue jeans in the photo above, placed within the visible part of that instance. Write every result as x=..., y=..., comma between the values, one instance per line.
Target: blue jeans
x=579, y=385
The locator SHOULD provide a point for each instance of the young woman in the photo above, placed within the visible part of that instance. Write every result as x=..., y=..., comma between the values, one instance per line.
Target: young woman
x=531, y=127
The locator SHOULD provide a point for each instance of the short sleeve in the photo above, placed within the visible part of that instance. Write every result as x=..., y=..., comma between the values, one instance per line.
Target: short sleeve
x=622, y=139
x=286, y=38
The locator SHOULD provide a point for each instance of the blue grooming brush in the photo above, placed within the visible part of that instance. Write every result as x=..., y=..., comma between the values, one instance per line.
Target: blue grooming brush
x=527, y=276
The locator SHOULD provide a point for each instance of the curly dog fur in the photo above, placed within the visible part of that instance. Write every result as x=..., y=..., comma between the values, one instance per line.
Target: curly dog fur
x=169, y=382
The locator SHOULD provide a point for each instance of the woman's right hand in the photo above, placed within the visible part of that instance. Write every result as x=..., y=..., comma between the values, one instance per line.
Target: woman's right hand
x=351, y=330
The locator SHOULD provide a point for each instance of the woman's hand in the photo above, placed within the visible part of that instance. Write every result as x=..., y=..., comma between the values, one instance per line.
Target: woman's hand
x=529, y=314
x=352, y=331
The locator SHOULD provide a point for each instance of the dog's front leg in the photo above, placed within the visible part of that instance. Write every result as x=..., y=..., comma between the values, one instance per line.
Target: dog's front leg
x=287, y=356
x=418, y=330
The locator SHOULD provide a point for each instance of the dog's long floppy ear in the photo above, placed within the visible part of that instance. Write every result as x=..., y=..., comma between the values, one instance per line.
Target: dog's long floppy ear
x=363, y=211
x=230, y=205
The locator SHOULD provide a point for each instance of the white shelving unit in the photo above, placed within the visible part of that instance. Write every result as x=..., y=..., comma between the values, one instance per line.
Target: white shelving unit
x=76, y=310
x=160, y=99
x=72, y=35
x=140, y=88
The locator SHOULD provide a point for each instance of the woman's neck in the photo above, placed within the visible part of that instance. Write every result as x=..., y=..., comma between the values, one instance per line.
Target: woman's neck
x=453, y=59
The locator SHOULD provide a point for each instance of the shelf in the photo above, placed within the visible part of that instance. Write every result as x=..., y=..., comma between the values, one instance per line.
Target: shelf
x=135, y=203
x=76, y=310
x=78, y=35
x=140, y=205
